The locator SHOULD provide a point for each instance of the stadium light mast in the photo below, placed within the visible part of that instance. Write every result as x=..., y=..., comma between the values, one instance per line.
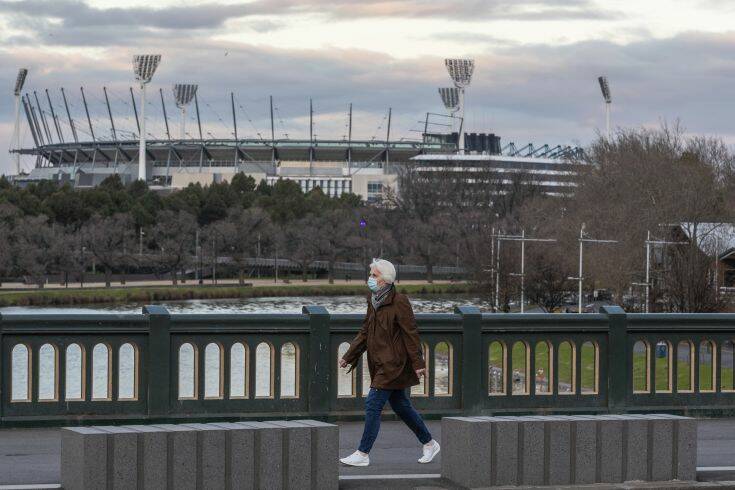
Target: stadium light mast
x=184, y=94
x=605, y=88
x=144, y=66
x=19, y=82
x=461, y=72
x=450, y=98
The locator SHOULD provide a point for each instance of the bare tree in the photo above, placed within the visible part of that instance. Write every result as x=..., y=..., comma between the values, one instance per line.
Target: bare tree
x=174, y=236
x=105, y=238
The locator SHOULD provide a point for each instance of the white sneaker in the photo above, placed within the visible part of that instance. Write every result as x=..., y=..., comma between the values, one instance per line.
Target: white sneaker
x=356, y=459
x=430, y=450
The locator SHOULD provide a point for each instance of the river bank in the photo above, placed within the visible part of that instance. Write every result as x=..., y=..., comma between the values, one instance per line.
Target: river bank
x=256, y=289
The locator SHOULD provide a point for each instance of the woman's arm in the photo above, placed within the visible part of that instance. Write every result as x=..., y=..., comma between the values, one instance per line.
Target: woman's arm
x=410, y=336
x=359, y=343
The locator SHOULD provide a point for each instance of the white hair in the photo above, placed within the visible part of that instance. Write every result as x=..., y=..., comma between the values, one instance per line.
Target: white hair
x=386, y=269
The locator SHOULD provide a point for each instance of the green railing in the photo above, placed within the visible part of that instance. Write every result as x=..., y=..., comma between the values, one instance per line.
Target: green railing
x=160, y=366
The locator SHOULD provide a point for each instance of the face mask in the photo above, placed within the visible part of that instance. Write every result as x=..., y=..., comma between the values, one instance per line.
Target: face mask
x=372, y=284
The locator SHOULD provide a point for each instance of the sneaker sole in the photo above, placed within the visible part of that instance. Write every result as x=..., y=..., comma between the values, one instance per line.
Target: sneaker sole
x=432, y=457
x=354, y=464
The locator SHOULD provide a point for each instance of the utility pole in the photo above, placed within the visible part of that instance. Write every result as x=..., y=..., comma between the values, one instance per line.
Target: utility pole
x=647, y=284
x=580, y=279
x=523, y=239
x=140, y=242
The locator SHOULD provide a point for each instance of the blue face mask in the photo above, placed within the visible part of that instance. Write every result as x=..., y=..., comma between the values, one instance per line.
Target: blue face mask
x=372, y=284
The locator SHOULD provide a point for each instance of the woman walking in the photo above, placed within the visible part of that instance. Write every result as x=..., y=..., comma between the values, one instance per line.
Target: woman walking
x=395, y=360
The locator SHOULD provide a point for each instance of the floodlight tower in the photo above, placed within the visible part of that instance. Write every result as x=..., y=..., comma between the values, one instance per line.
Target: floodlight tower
x=184, y=93
x=450, y=98
x=605, y=87
x=144, y=66
x=22, y=73
x=461, y=72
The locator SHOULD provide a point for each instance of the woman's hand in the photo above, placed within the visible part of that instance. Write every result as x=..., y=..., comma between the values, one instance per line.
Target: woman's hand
x=342, y=363
x=421, y=372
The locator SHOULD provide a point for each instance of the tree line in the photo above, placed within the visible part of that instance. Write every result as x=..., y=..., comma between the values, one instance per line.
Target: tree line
x=642, y=180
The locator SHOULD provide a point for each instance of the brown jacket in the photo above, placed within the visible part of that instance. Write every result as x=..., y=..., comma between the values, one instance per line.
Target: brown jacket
x=392, y=342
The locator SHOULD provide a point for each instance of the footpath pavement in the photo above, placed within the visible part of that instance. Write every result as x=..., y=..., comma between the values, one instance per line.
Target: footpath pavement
x=31, y=456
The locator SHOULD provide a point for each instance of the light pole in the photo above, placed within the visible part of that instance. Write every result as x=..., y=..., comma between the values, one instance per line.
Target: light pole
x=19, y=82
x=523, y=239
x=647, y=284
x=140, y=242
x=144, y=66
x=580, y=279
x=450, y=98
x=461, y=72
x=184, y=94
x=605, y=88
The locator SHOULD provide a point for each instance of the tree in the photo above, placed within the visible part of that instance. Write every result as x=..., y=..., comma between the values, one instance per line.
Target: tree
x=33, y=241
x=241, y=233
x=299, y=241
x=110, y=240
x=174, y=238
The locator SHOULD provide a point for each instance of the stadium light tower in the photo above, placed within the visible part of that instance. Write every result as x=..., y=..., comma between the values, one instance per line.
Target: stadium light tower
x=144, y=66
x=461, y=72
x=22, y=73
x=184, y=93
x=605, y=87
x=450, y=98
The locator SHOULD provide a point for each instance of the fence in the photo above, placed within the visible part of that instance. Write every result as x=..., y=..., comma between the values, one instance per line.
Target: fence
x=156, y=365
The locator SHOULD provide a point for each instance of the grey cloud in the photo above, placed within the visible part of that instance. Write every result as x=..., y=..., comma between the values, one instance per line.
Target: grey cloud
x=522, y=92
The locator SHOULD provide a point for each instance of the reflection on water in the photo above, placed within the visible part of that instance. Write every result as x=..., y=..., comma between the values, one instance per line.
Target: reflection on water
x=212, y=359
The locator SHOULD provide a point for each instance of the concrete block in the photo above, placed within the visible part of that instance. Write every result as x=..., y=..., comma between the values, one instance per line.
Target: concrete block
x=83, y=458
x=504, y=435
x=533, y=452
x=559, y=459
x=210, y=456
x=584, y=450
x=686, y=449
x=152, y=457
x=122, y=454
x=297, y=454
x=662, y=449
x=239, y=458
x=268, y=455
x=635, y=450
x=181, y=451
x=470, y=450
x=610, y=449
x=324, y=454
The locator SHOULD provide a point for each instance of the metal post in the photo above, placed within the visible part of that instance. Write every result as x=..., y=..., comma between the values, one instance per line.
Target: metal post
x=387, y=139
x=320, y=359
x=30, y=121
x=42, y=116
x=35, y=120
x=497, y=279
x=581, y=244
x=273, y=134
x=618, y=371
x=276, y=263
x=160, y=384
x=234, y=125
x=141, y=151
x=16, y=134
x=135, y=109
x=68, y=115
x=523, y=271
x=165, y=115
x=53, y=118
x=460, y=135
x=349, y=142
x=109, y=111
x=311, y=136
x=471, y=380
x=140, y=243
x=607, y=121
x=86, y=110
x=648, y=270
x=196, y=252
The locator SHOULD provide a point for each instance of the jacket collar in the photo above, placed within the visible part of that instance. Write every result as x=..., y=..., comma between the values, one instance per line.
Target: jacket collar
x=388, y=299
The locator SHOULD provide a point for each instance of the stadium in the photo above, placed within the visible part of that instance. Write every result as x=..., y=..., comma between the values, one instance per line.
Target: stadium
x=83, y=151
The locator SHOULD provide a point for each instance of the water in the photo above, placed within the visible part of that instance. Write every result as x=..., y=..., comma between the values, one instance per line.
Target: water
x=334, y=304
x=211, y=355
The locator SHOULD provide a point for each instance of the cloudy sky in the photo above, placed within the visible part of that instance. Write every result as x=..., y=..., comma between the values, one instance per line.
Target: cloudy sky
x=535, y=79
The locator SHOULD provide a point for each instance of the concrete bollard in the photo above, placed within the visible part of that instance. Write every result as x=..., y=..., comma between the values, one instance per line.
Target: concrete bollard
x=243, y=455
x=83, y=458
x=568, y=450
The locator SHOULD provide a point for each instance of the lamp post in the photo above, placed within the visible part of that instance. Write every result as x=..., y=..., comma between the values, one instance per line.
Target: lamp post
x=647, y=284
x=461, y=72
x=605, y=88
x=580, y=279
x=19, y=82
x=144, y=66
x=450, y=99
x=183, y=94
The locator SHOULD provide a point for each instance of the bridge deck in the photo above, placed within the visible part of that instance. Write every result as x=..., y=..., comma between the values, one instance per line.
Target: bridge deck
x=31, y=456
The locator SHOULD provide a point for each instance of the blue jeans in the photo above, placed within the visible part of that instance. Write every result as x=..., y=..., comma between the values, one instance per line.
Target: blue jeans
x=401, y=405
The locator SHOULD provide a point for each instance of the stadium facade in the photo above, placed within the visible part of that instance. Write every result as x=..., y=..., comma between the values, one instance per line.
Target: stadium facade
x=83, y=153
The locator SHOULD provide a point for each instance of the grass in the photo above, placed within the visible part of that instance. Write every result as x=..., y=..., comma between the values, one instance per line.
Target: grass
x=88, y=296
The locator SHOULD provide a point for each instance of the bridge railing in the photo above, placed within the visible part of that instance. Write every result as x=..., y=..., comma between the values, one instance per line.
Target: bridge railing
x=69, y=368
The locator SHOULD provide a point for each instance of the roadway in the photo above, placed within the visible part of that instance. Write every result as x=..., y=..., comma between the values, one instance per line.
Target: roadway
x=31, y=456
